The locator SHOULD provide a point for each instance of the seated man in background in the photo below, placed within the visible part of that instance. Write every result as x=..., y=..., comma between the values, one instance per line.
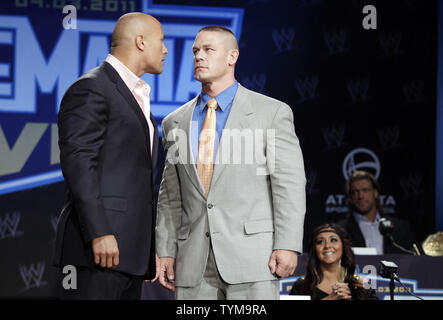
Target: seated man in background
x=362, y=222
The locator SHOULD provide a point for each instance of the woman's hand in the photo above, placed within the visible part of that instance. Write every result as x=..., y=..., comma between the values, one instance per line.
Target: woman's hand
x=340, y=291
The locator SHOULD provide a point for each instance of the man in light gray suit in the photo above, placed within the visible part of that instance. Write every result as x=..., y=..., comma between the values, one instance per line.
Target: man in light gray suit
x=230, y=211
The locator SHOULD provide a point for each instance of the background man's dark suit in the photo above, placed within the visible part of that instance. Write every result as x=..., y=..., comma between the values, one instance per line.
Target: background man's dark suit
x=402, y=234
x=108, y=167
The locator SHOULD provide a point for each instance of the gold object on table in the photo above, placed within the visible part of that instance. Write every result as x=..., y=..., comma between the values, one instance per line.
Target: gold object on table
x=433, y=245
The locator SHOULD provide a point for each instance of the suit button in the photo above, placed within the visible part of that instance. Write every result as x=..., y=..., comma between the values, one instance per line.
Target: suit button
x=207, y=234
x=210, y=206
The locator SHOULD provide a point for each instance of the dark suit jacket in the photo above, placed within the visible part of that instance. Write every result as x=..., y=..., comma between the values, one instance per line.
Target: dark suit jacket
x=402, y=234
x=106, y=161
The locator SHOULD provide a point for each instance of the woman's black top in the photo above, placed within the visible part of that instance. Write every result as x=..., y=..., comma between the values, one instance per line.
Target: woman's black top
x=300, y=288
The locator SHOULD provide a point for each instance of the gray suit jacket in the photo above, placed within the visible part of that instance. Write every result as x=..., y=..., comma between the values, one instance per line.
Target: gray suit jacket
x=256, y=202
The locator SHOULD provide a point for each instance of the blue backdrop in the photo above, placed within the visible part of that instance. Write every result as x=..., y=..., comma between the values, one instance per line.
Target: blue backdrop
x=361, y=99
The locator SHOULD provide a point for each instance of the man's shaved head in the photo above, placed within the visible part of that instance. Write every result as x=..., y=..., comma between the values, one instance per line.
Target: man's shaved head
x=230, y=41
x=129, y=26
x=137, y=41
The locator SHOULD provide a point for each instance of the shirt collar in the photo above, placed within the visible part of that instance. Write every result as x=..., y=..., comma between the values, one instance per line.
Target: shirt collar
x=129, y=78
x=224, y=99
x=361, y=218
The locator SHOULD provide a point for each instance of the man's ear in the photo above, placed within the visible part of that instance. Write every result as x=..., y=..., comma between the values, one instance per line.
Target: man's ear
x=377, y=195
x=233, y=56
x=139, y=42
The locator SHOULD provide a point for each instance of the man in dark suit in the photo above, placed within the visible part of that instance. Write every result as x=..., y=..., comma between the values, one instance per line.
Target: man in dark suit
x=108, y=147
x=362, y=222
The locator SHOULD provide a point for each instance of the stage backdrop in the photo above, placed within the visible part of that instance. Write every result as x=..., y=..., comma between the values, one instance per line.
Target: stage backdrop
x=362, y=99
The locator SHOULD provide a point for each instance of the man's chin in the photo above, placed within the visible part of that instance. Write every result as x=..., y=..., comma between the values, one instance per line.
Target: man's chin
x=199, y=78
x=363, y=212
x=155, y=71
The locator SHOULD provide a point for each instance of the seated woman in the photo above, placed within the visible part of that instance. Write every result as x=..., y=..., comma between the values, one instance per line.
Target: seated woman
x=330, y=273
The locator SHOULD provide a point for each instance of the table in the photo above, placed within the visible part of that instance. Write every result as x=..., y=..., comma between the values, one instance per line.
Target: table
x=423, y=275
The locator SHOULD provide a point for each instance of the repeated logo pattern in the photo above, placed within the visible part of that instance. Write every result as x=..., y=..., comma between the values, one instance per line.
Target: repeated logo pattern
x=362, y=99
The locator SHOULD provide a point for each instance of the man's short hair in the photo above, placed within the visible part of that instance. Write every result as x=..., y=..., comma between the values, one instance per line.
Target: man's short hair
x=361, y=175
x=216, y=28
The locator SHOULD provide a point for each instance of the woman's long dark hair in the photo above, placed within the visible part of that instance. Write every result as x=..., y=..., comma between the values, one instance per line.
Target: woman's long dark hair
x=314, y=275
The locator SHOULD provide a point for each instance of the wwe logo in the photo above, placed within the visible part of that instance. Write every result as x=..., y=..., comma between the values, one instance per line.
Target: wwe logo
x=336, y=42
x=358, y=90
x=334, y=136
x=311, y=178
x=307, y=88
x=413, y=91
x=9, y=224
x=283, y=39
x=388, y=137
x=411, y=184
x=255, y=82
x=390, y=43
x=32, y=275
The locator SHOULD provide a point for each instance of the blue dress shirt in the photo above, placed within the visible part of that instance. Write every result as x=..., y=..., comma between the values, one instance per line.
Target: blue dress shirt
x=224, y=100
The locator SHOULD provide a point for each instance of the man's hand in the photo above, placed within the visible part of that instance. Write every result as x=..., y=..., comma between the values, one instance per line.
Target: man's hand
x=157, y=269
x=166, y=276
x=105, y=251
x=283, y=263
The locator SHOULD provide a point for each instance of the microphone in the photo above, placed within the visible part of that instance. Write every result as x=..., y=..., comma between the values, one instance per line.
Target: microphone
x=386, y=228
x=388, y=270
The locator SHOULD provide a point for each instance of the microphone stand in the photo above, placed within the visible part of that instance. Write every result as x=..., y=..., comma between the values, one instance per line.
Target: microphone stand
x=392, y=285
x=386, y=228
x=388, y=270
x=391, y=238
x=394, y=276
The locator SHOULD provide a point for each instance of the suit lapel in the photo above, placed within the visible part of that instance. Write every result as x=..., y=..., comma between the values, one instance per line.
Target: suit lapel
x=239, y=118
x=187, y=158
x=155, y=143
x=123, y=89
x=355, y=232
